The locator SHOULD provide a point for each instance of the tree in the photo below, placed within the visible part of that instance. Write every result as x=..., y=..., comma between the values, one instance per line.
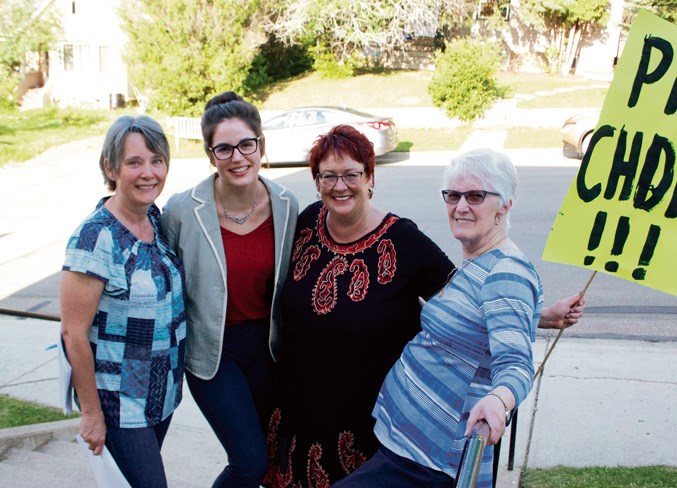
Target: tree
x=184, y=51
x=666, y=9
x=464, y=83
x=565, y=21
x=353, y=33
x=27, y=28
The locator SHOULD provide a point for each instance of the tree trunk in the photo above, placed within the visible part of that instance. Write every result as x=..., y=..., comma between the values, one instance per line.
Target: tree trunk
x=573, y=47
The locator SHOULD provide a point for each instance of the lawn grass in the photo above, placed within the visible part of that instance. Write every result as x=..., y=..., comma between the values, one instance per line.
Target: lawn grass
x=388, y=89
x=526, y=83
x=187, y=148
x=588, y=98
x=443, y=139
x=600, y=477
x=14, y=413
x=536, y=137
x=410, y=89
x=24, y=135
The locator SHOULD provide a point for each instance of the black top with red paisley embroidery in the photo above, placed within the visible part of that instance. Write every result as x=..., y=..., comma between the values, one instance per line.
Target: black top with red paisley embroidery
x=348, y=311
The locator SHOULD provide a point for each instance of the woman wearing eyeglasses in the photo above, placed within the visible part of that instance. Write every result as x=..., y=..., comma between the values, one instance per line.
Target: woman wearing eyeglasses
x=349, y=306
x=472, y=359
x=234, y=233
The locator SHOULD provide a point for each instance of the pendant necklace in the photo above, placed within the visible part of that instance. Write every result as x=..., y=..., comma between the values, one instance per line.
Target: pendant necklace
x=455, y=271
x=238, y=220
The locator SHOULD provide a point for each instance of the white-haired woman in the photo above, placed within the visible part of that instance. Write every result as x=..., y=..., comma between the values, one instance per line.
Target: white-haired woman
x=473, y=358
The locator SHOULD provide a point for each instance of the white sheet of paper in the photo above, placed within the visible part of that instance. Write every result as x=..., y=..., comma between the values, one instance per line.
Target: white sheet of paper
x=65, y=381
x=106, y=471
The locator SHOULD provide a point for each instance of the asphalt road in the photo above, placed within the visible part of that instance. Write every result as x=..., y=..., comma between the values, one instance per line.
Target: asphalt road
x=45, y=207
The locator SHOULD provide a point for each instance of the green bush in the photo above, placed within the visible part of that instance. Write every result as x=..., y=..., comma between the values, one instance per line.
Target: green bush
x=326, y=65
x=464, y=84
x=276, y=61
x=9, y=82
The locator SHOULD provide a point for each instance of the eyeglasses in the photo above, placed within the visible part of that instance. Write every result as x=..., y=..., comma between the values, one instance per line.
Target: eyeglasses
x=472, y=197
x=245, y=146
x=329, y=180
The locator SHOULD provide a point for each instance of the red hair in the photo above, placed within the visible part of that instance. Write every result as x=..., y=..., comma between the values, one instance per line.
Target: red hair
x=344, y=141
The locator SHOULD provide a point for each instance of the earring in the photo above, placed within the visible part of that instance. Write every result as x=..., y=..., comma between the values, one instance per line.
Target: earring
x=317, y=195
x=370, y=190
x=497, y=219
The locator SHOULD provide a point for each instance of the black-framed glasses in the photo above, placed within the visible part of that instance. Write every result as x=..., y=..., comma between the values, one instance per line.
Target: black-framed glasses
x=472, y=197
x=329, y=180
x=245, y=146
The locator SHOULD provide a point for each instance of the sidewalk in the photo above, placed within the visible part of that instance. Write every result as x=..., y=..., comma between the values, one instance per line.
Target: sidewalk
x=599, y=402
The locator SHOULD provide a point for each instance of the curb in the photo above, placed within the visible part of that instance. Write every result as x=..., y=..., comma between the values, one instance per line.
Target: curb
x=31, y=437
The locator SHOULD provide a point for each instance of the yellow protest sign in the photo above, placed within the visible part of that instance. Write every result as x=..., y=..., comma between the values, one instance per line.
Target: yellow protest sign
x=620, y=214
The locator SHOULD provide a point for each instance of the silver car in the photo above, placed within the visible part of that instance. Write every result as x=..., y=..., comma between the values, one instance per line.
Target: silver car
x=290, y=135
x=576, y=133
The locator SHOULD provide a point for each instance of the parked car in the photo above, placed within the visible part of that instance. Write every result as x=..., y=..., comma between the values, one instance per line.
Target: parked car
x=576, y=133
x=290, y=135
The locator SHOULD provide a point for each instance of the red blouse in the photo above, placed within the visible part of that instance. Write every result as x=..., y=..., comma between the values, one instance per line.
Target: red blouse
x=250, y=263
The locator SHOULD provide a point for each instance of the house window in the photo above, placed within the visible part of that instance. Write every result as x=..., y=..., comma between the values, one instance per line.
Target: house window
x=85, y=58
x=68, y=57
x=104, y=61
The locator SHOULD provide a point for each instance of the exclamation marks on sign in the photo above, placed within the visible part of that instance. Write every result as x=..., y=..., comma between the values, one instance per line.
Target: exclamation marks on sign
x=647, y=251
x=595, y=236
x=620, y=238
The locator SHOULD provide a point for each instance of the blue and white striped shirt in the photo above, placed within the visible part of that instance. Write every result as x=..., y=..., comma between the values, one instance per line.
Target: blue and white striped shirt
x=476, y=335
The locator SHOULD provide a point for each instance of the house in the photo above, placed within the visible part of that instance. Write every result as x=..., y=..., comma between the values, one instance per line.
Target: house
x=526, y=50
x=85, y=68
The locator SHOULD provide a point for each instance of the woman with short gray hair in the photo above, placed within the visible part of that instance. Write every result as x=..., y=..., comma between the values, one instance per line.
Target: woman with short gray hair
x=122, y=308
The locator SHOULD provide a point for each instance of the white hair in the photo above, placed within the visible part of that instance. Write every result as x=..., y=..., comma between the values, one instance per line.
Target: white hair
x=492, y=169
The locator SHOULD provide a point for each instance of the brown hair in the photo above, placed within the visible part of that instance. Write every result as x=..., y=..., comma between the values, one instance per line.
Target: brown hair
x=229, y=105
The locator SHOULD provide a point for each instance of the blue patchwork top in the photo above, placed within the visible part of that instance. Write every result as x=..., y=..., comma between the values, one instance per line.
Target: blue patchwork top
x=138, y=333
x=476, y=335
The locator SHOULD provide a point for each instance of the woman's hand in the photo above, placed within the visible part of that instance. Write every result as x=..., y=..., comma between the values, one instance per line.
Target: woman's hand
x=492, y=412
x=563, y=313
x=492, y=409
x=93, y=430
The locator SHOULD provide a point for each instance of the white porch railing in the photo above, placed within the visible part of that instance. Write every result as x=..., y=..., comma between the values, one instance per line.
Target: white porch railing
x=184, y=128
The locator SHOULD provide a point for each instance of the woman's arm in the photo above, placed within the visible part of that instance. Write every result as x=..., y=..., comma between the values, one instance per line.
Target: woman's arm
x=563, y=313
x=80, y=296
x=511, y=298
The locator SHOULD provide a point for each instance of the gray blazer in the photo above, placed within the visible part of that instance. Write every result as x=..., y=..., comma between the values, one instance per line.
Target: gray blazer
x=191, y=226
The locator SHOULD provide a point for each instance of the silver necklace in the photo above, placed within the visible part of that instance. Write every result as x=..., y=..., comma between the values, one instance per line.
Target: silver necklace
x=239, y=220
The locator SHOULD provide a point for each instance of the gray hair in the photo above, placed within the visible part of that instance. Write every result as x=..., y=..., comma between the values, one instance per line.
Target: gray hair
x=493, y=169
x=229, y=105
x=113, y=149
